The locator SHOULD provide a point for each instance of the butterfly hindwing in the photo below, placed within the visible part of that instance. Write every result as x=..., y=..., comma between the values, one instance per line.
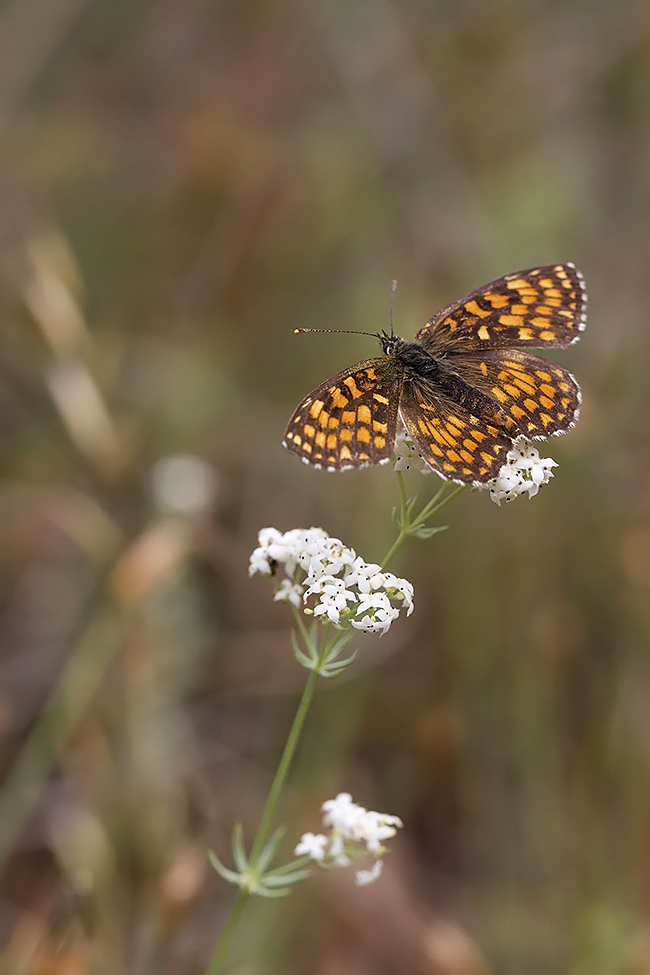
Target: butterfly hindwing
x=458, y=445
x=539, y=396
x=350, y=420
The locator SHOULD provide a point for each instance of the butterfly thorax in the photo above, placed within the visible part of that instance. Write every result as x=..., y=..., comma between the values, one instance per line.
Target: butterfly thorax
x=419, y=364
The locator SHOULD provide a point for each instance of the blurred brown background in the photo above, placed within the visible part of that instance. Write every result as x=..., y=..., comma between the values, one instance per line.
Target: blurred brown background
x=182, y=183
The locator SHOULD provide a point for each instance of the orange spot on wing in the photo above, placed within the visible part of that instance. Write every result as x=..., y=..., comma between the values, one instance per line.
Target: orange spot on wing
x=352, y=386
x=363, y=414
x=474, y=308
x=315, y=408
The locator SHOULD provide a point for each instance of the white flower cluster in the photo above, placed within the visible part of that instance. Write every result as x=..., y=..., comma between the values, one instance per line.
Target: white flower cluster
x=523, y=472
x=344, y=587
x=354, y=832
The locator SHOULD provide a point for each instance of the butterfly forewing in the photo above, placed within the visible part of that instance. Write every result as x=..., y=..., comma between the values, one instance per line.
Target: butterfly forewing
x=350, y=420
x=542, y=307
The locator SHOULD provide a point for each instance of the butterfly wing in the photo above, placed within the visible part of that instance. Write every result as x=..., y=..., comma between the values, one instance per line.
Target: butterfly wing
x=541, y=307
x=458, y=445
x=539, y=396
x=350, y=420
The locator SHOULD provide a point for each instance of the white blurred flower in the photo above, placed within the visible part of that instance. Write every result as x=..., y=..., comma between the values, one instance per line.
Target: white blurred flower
x=365, y=877
x=313, y=845
x=183, y=484
x=354, y=832
x=341, y=813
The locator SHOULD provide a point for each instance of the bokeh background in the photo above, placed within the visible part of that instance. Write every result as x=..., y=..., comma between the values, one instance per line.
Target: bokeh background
x=183, y=183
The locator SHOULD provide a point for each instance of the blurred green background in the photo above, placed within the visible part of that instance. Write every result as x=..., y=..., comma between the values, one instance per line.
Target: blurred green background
x=183, y=183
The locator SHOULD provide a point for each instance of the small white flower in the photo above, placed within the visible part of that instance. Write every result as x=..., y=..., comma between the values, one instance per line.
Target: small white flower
x=365, y=877
x=341, y=813
x=407, y=456
x=379, y=614
x=290, y=592
x=361, y=573
x=334, y=597
x=312, y=845
x=402, y=586
x=373, y=828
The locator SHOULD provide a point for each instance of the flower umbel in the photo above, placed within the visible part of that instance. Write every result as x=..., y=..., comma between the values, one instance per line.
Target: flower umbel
x=523, y=473
x=330, y=580
x=354, y=832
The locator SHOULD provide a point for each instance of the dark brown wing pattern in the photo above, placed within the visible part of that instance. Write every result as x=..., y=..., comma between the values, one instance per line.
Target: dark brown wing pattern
x=350, y=420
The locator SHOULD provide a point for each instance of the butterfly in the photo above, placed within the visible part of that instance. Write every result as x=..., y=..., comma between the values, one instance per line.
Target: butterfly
x=463, y=391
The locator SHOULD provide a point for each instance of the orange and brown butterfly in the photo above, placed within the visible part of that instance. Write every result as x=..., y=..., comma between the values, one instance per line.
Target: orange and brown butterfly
x=464, y=390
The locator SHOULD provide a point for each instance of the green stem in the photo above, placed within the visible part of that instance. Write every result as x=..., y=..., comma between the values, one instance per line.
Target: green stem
x=283, y=768
x=403, y=535
x=409, y=527
x=269, y=809
x=226, y=937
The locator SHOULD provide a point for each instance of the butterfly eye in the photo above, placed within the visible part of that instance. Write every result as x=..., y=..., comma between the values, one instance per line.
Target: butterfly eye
x=390, y=344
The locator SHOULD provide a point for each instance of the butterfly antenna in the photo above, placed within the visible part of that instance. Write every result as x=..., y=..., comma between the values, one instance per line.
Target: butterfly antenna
x=343, y=331
x=393, y=289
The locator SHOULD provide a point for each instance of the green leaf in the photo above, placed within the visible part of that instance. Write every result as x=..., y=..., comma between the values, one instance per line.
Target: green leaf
x=229, y=875
x=266, y=892
x=270, y=850
x=307, y=660
x=297, y=864
x=338, y=666
x=238, y=850
x=271, y=880
x=337, y=648
x=424, y=532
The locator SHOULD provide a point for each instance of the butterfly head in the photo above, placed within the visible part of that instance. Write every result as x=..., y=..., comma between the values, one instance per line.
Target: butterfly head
x=390, y=344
